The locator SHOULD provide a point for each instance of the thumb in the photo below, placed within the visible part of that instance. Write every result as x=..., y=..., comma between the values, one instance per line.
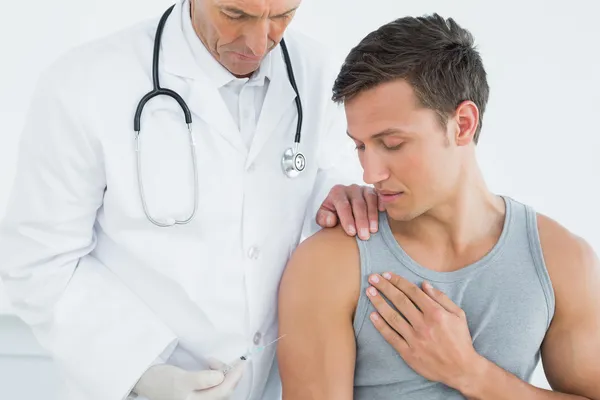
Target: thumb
x=234, y=376
x=224, y=390
x=200, y=380
x=215, y=364
x=326, y=218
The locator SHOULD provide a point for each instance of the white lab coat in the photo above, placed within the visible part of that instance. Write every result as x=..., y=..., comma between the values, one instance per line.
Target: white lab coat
x=107, y=292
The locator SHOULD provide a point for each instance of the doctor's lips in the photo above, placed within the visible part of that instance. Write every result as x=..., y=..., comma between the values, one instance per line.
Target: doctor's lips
x=388, y=196
x=248, y=57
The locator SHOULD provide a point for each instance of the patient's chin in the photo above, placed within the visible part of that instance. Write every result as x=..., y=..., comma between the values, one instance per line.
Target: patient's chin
x=400, y=214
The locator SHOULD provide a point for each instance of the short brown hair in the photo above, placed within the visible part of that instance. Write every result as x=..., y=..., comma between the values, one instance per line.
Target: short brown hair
x=434, y=55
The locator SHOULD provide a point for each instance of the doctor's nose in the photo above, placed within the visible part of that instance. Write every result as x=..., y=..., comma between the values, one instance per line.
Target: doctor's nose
x=374, y=169
x=257, y=38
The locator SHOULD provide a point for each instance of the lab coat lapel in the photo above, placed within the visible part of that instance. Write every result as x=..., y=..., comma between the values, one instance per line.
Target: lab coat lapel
x=280, y=97
x=206, y=102
x=200, y=94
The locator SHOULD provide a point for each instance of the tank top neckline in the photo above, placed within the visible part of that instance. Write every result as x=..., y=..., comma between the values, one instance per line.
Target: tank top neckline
x=453, y=276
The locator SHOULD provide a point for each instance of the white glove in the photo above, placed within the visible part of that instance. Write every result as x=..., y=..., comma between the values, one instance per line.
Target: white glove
x=167, y=382
x=225, y=389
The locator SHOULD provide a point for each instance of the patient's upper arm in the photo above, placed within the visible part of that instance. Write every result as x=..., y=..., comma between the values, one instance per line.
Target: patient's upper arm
x=317, y=298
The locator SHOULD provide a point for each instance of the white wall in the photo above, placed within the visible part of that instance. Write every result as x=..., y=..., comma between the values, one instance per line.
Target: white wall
x=541, y=131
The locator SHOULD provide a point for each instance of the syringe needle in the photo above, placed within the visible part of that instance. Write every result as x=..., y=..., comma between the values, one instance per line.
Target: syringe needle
x=274, y=341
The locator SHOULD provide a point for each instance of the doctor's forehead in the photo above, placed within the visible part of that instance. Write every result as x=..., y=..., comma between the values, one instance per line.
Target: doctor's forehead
x=259, y=8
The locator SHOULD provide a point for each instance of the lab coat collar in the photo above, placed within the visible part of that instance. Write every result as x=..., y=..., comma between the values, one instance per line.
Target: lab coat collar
x=177, y=57
x=279, y=99
x=200, y=93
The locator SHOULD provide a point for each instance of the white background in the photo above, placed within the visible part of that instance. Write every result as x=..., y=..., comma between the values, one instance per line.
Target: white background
x=541, y=129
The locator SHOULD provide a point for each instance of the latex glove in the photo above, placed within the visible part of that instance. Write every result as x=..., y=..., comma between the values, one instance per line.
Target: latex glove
x=167, y=382
x=225, y=389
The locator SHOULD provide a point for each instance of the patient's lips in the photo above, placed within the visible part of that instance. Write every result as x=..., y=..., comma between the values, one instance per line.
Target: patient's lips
x=388, y=196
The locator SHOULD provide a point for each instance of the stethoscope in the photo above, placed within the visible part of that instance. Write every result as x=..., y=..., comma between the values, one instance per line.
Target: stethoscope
x=292, y=162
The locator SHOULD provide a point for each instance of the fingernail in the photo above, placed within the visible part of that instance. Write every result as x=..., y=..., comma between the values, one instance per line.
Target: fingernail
x=387, y=275
x=364, y=233
x=352, y=230
x=373, y=226
x=374, y=279
x=427, y=285
x=374, y=317
x=329, y=220
x=372, y=291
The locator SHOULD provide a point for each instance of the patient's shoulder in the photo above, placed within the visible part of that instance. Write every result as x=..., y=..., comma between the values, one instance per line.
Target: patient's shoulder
x=326, y=265
x=329, y=249
x=327, y=237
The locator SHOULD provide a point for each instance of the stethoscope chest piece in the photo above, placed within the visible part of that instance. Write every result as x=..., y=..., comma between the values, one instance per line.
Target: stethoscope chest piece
x=293, y=162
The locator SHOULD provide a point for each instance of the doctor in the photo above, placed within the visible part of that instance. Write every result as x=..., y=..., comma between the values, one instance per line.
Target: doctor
x=141, y=262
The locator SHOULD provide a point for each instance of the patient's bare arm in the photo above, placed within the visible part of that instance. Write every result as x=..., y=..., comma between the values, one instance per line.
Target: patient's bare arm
x=318, y=296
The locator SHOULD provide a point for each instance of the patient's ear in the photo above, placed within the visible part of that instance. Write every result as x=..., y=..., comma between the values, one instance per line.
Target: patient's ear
x=466, y=118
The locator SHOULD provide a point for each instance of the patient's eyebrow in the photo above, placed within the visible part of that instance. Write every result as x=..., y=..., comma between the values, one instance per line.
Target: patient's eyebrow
x=385, y=132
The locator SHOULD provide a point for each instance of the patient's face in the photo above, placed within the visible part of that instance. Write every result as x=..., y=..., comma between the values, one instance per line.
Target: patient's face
x=405, y=152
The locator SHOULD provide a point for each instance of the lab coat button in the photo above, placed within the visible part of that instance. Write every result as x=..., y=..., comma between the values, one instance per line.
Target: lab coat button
x=254, y=253
x=257, y=337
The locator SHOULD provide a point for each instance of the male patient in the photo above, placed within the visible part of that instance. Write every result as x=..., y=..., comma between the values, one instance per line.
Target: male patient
x=478, y=286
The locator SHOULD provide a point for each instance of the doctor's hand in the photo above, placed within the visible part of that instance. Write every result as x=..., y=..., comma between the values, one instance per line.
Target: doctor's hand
x=430, y=333
x=225, y=389
x=167, y=382
x=355, y=207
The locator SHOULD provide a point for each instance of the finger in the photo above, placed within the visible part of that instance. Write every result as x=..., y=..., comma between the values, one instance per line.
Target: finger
x=399, y=299
x=380, y=204
x=239, y=366
x=233, y=377
x=372, y=211
x=215, y=364
x=225, y=389
x=442, y=299
x=391, y=316
x=337, y=202
x=203, y=379
x=390, y=335
x=359, y=211
x=414, y=293
x=323, y=217
x=326, y=218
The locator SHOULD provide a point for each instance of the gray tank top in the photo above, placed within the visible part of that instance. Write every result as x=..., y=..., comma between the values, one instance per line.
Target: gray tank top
x=507, y=297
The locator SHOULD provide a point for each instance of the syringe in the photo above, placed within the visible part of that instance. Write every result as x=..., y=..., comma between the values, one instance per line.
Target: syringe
x=247, y=355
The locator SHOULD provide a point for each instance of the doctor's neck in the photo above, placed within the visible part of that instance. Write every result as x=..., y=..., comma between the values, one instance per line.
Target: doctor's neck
x=239, y=34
